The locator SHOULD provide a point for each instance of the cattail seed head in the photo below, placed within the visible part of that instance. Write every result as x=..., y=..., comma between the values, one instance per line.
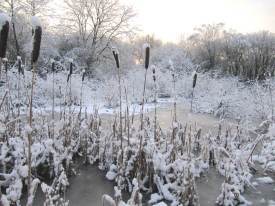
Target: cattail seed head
x=195, y=76
x=70, y=71
x=147, y=55
x=115, y=53
x=154, y=74
x=4, y=33
x=37, y=35
x=83, y=75
x=20, y=69
x=53, y=66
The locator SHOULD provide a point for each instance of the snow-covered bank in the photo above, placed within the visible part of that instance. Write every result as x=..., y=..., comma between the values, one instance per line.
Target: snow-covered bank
x=223, y=97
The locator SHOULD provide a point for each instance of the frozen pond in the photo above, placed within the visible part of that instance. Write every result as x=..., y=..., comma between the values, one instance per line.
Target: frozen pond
x=87, y=187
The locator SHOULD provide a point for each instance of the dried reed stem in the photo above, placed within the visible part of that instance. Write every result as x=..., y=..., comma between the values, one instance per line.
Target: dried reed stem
x=3, y=100
x=53, y=99
x=30, y=124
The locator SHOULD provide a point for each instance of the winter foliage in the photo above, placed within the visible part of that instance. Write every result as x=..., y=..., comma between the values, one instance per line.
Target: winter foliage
x=88, y=98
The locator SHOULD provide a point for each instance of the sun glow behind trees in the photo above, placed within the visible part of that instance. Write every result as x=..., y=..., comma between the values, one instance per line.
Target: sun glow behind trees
x=169, y=19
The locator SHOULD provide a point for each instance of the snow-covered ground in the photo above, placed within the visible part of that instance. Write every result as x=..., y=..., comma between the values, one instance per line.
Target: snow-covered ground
x=224, y=97
x=176, y=153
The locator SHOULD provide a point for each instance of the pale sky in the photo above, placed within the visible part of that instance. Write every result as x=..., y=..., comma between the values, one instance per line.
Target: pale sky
x=168, y=19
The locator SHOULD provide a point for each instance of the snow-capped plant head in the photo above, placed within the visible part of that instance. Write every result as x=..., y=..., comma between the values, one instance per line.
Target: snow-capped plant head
x=20, y=68
x=37, y=35
x=70, y=70
x=195, y=76
x=4, y=33
x=83, y=74
x=115, y=53
x=53, y=65
x=154, y=74
x=147, y=55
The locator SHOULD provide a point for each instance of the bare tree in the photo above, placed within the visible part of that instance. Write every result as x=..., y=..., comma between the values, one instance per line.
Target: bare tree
x=206, y=42
x=35, y=7
x=96, y=24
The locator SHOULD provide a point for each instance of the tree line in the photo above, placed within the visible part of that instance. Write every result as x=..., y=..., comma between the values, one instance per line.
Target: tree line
x=87, y=30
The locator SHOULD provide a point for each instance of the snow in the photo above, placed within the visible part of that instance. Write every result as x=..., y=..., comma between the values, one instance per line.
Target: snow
x=115, y=50
x=23, y=171
x=224, y=97
x=266, y=180
x=35, y=22
x=112, y=173
x=3, y=19
x=108, y=201
x=146, y=45
x=155, y=198
x=193, y=74
x=4, y=200
x=271, y=131
x=160, y=204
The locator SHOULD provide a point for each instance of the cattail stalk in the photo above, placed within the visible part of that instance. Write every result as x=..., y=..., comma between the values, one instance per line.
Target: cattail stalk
x=81, y=93
x=53, y=98
x=8, y=102
x=147, y=58
x=155, y=102
x=174, y=91
x=3, y=100
x=0, y=67
x=53, y=89
x=19, y=62
x=127, y=118
x=115, y=54
x=175, y=97
x=70, y=91
x=37, y=34
x=195, y=76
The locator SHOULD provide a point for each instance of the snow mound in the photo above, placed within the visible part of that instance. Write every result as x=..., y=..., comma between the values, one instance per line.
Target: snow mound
x=266, y=180
x=35, y=22
x=3, y=19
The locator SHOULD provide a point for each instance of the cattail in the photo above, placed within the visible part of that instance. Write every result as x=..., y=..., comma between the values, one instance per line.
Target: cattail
x=195, y=76
x=4, y=33
x=70, y=72
x=115, y=53
x=147, y=55
x=20, y=68
x=4, y=39
x=155, y=101
x=37, y=35
x=154, y=74
x=83, y=75
x=71, y=68
x=147, y=60
x=53, y=66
